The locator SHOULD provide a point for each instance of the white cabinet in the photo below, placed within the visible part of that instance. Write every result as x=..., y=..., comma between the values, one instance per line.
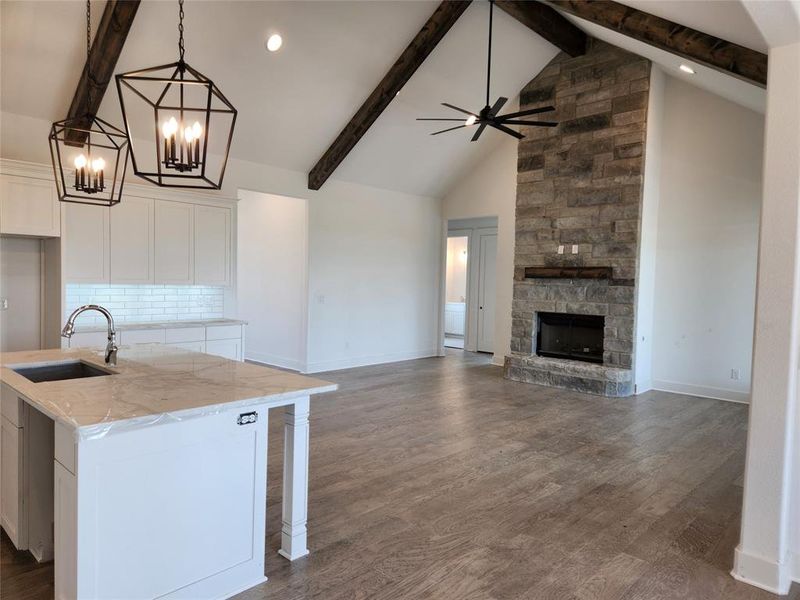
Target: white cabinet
x=230, y=349
x=174, y=242
x=29, y=207
x=12, y=508
x=132, y=241
x=86, y=243
x=212, y=245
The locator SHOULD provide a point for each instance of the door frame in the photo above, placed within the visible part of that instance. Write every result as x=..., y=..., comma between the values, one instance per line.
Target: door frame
x=472, y=228
x=479, y=235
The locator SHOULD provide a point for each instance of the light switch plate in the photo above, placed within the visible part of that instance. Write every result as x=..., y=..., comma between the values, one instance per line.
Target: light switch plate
x=574, y=248
x=561, y=249
x=3, y=303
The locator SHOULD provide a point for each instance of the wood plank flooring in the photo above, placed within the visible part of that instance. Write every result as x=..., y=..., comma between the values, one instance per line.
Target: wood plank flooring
x=438, y=479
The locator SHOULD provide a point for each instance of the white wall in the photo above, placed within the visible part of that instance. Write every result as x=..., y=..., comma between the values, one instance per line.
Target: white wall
x=490, y=190
x=456, y=279
x=374, y=272
x=707, y=243
x=648, y=236
x=273, y=277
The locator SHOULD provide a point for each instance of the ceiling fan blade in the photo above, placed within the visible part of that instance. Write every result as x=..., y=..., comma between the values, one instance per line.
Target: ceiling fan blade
x=507, y=130
x=529, y=123
x=435, y=119
x=450, y=129
x=497, y=106
x=531, y=111
x=478, y=133
x=466, y=112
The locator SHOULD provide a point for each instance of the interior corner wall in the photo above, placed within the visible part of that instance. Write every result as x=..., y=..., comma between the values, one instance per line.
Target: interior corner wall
x=490, y=190
x=273, y=277
x=707, y=244
x=648, y=235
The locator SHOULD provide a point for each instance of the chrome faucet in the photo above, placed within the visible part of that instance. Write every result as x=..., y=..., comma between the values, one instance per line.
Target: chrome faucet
x=111, y=347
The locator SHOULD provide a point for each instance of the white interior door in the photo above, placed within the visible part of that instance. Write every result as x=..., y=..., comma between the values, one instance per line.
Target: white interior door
x=486, y=292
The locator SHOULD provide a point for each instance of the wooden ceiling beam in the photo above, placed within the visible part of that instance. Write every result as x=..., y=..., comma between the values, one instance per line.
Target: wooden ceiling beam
x=401, y=71
x=702, y=48
x=548, y=23
x=106, y=48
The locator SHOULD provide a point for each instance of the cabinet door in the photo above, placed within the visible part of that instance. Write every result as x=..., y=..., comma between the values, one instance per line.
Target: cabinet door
x=230, y=349
x=174, y=242
x=132, y=241
x=86, y=243
x=12, y=509
x=212, y=245
x=29, y=207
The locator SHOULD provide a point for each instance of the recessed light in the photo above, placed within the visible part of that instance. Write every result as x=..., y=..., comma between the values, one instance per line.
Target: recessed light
x=274, y=42
x=687, y=69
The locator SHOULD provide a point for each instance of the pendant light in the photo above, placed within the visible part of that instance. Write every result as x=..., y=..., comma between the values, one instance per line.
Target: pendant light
x=179, y=123
x=89, y=155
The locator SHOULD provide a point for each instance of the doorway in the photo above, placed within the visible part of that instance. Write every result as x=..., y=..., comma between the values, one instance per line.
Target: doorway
x=455, y=306
x=470, y=284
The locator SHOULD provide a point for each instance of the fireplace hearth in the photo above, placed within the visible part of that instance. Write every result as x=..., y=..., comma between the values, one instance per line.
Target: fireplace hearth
x=569, y=336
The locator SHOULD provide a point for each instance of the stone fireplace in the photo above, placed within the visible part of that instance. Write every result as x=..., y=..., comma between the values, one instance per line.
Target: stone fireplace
x=579, y=193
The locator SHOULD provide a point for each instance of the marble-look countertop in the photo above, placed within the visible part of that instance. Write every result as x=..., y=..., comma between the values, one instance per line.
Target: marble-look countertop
x=151, y=383
x=125, y=326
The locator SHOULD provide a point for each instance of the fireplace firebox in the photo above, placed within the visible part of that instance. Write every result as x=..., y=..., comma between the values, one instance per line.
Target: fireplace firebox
x=575, y=337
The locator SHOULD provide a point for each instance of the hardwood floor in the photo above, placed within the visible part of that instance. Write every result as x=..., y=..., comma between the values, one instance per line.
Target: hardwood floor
x=439, y=479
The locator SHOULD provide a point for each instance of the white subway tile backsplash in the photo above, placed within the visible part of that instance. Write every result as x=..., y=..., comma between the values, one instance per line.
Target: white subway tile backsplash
x=145, y=303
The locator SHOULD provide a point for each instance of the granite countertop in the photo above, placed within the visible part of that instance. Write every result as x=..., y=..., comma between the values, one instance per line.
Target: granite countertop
x=160, y=325
x=151, y=383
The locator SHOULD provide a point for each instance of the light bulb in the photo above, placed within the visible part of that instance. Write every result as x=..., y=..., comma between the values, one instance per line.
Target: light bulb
x=197, y=130
x=173, y=126
x=80, y=161
x=274, y=42
x=166, y=129
x=98, y=164
x=471, y=120
x=188, y=135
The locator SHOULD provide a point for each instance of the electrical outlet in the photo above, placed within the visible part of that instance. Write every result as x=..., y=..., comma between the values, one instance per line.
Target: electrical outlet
x=247, y=418
x=3, y=303
x=561, y=249
x=735, y=374
x=320, y=298
x=574, y=248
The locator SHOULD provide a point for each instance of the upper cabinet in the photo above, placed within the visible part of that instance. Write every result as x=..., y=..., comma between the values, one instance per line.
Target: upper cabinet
x=147, y=241
x=29, y=207
x=174, y=243
x=131, y=247
x=212, y=245
x=86, y=243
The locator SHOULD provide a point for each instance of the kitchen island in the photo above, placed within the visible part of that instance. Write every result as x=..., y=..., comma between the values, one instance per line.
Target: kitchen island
x=159, y=470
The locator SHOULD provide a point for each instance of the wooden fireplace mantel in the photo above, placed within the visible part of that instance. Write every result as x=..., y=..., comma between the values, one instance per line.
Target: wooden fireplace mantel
x=568, y=273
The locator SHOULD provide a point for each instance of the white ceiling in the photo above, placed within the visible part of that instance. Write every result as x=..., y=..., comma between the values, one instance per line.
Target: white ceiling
x=726, y=19
x=293, y=103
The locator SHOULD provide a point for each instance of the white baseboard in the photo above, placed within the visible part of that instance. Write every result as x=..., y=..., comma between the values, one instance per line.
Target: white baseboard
x=363, y=361
x=644, y=386
x=275, y=361
x=762, y=572
x=499, y=361
x=701, y=391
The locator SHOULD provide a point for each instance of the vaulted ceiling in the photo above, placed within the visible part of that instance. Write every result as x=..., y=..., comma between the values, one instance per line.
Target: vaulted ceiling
x=293, y=103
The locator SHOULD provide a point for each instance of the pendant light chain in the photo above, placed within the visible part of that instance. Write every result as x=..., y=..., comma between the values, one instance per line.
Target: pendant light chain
x=181, y=49
x=89, y=48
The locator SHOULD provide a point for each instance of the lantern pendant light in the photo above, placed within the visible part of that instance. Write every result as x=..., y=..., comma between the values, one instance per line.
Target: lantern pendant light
x=89, y=155
x=191, y=120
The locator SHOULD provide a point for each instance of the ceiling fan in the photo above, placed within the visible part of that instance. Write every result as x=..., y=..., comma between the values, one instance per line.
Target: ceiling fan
x=488, y=114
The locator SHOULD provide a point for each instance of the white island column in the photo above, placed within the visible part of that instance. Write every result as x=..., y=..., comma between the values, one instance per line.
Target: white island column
x=295, y=480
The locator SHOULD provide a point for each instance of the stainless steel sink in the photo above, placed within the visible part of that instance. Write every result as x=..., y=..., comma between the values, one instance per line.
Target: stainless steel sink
x=60, y=371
